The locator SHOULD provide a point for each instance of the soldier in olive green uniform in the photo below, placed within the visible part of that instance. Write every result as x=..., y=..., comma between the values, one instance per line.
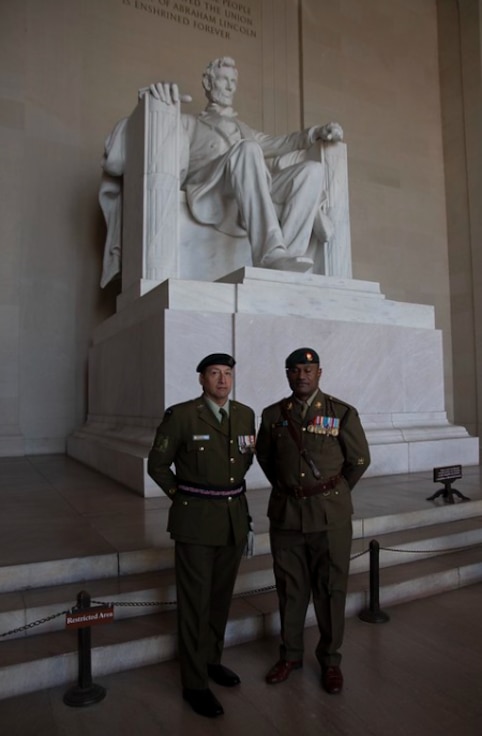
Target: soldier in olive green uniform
x=208, y=519
x=313, y=450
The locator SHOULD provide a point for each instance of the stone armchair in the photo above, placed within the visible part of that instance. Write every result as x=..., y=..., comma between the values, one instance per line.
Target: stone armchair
x=145, y=208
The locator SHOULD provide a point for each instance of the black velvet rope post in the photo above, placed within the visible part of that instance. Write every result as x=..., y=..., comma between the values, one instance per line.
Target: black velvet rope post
x=85, y=692
x=373, y=614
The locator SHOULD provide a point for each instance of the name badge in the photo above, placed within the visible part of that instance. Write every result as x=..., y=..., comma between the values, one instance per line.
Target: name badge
x=201, y=437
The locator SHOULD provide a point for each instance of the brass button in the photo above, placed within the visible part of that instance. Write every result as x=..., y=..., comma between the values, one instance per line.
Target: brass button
x=304, y=429
x=302, y=475
x=232, y=460
x=201, y=449
x=231, y=480
x=230, y=498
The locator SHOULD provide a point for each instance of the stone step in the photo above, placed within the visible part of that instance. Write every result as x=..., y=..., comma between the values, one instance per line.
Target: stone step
x=40, y=573
x=148, y=592
x=50, y=659
x=397, y=547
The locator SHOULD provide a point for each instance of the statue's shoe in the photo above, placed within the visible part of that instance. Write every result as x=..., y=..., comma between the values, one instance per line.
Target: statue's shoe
x=300, y=264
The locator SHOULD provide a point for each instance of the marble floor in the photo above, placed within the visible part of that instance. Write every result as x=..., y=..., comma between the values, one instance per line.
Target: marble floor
x=418, y=674
x=53, y=508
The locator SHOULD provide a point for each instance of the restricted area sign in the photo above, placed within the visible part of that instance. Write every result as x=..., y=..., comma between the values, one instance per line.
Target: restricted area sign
x=89, y=617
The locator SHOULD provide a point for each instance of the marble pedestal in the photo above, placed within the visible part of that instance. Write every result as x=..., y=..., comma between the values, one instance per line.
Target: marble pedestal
x=382, y=356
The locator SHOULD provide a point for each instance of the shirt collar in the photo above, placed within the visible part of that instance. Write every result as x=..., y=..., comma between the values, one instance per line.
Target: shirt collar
x=308, y=401
x=215, y=407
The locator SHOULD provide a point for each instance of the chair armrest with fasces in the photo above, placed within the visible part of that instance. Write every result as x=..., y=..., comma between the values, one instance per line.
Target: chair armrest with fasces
x=333, y=157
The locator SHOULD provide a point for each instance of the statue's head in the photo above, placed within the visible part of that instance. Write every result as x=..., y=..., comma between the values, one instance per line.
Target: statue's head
x=220, y=79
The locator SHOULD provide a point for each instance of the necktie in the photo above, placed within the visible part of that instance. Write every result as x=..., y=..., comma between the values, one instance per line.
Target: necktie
x=224, y=417
x=304, y=409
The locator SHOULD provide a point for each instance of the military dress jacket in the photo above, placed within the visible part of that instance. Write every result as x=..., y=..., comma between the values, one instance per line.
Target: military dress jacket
x=332, y=435
x=205, y=455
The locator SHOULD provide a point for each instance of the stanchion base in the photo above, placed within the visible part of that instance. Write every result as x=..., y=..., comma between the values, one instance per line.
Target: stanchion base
x=448, y=494
x=374, y=617
x=81, y=696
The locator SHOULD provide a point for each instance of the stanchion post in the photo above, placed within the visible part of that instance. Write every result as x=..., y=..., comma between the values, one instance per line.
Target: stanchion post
x=85, y=692
x=373, y=614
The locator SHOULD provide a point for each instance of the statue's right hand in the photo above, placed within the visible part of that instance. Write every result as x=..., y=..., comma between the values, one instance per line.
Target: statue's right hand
x=166, y=92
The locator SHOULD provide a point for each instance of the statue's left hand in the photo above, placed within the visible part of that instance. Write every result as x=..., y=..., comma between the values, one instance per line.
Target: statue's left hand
x=167, y=92
x=332, y=132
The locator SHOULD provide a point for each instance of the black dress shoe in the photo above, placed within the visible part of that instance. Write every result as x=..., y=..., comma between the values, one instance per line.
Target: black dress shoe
x=203, y=702
x=222, y=675
x=282, y=670
x=332, y=679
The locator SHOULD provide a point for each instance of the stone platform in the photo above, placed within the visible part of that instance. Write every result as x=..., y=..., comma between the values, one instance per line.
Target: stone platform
x=385, y=357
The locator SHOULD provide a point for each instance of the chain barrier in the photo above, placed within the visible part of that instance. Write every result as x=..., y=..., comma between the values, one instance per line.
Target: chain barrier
x=139, y=604
x=35, y=623
x=438, y=551
x=359, y=554
x=266, y=589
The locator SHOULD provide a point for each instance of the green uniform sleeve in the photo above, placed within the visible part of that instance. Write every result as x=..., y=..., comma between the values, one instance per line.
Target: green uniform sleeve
x=265, y=449
x=355, y=448
x=162, y=454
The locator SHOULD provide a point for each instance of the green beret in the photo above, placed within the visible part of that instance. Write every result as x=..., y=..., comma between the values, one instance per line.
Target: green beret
x=216, y=359
x=302, y=355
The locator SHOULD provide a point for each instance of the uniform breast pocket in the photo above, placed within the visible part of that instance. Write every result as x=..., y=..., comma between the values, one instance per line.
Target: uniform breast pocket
x=326, y=444
x=281, y=437
x=199, y=457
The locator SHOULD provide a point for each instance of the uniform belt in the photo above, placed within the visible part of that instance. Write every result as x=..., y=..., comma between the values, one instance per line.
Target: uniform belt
x=200, y=491
x=324, y=488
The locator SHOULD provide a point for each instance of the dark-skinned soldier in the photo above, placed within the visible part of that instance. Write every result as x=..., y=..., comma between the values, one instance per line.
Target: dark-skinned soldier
x=208, y=519
x=313, y=450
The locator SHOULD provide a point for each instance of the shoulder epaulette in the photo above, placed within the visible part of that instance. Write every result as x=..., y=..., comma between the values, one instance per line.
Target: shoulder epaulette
x=340, y=401
x=182, y=405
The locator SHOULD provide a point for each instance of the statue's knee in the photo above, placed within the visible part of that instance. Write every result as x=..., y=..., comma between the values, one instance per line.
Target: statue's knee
x=250, y=149
x=313, y=174
x=313, y=169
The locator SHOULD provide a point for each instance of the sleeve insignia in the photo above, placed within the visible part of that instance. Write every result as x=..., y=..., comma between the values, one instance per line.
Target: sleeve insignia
x=161, y=443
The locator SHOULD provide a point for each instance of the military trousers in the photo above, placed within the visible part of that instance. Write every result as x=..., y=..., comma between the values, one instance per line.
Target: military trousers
x=205, y=577
x=317, y=565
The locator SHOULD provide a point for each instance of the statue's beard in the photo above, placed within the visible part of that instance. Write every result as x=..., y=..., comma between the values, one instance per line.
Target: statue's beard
x=225, y=100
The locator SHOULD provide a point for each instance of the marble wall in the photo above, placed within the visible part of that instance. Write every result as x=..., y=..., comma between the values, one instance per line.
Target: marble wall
x=70, y=70
x=377, y=71
x=459, y=32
